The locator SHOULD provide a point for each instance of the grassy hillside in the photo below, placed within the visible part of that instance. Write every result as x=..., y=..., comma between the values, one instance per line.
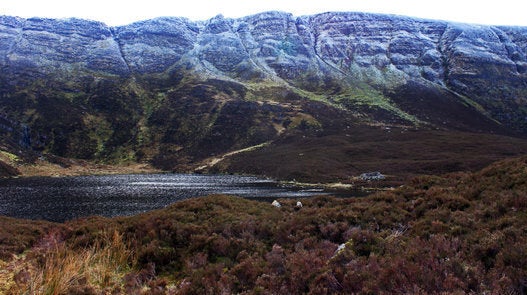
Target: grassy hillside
x=456, y=234
x=177, y=121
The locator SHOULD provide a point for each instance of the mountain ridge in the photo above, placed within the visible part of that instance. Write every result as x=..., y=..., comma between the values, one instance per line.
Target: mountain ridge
x=306, y=27
x=168, y=90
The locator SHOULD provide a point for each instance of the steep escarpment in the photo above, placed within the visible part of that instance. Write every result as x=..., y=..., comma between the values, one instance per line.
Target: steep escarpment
x=175, y=92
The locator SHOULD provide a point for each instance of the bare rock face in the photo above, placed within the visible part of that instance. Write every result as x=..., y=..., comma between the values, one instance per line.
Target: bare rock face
x=59, y=46
x=384, y=50
x=153, y=46
x=221, y=51
x=485, y=64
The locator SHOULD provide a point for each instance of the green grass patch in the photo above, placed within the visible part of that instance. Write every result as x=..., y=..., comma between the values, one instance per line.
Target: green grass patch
x=367, y=96
x=9, y=156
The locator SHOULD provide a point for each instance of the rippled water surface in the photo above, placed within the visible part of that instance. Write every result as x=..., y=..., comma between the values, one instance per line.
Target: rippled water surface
x=64, y=198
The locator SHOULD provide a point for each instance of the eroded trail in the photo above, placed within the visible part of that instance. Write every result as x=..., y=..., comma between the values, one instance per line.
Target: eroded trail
x=211, y=162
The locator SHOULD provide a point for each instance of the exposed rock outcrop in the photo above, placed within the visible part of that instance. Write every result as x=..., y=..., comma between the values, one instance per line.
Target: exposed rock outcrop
x=59, y=47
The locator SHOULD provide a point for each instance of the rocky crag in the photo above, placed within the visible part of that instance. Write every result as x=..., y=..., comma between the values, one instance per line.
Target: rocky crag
x=175, y=92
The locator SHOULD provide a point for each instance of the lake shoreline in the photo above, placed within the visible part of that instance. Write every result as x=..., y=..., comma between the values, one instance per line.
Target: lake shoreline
x=64, y=198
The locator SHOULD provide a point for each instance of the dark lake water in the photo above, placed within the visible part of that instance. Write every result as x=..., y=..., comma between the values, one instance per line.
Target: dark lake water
x=65, y=198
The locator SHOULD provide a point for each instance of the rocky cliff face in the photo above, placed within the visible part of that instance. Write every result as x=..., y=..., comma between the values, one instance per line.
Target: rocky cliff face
x=142, y=87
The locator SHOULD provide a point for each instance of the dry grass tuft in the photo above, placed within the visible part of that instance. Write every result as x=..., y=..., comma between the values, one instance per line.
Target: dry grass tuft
x=92, y=270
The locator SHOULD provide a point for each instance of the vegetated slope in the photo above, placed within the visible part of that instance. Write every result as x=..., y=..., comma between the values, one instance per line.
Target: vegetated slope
x=174, y=93
x=460, y=233
x=399, y=153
